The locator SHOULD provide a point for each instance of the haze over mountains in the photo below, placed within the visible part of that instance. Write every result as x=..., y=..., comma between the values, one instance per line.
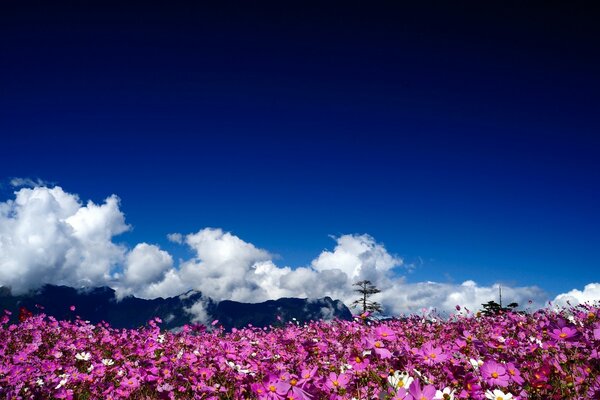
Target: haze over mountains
x=101, y=304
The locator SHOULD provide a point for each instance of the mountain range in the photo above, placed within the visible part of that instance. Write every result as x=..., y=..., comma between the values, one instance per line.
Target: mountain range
x=101, y=304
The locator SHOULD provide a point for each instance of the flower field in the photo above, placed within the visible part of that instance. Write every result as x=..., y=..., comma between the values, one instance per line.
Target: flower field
x=543, y=355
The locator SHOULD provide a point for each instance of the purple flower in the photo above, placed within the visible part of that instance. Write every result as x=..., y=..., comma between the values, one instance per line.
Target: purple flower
x=565, y=333
x=494, y=373
x=418, y=393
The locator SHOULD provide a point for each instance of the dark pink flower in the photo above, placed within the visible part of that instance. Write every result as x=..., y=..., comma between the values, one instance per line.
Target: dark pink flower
x=418, y=393
x=565, y=333
x=494, y=373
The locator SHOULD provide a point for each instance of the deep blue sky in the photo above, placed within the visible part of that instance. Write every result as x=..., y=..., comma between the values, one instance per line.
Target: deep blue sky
x=463, y=136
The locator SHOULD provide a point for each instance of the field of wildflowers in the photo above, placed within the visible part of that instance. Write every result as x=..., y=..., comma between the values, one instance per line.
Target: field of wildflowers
x=542, y=355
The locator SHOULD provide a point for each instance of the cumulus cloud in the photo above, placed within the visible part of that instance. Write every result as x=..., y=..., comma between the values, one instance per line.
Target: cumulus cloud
x=358, y=256
x=589, y=294
x=145, y=266
x=49, y=236
x=401, y=297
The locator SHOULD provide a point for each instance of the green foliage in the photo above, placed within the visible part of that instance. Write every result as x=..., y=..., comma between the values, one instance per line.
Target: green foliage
x=366, y=290
x=493, y=308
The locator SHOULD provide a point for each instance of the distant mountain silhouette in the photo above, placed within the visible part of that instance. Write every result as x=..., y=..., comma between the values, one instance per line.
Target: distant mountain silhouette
x=100, y=304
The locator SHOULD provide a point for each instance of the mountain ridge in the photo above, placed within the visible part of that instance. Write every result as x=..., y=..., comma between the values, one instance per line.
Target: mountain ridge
x=99, y=304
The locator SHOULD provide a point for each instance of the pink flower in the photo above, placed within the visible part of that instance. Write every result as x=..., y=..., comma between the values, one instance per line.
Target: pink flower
x=336, y=382
x=385, y=333
x=432, y=355
x=418, y=393
x=291, y=389
x=130, y=383
x=494, y=373
x=565, y=333
x=268, y=390
x=514, y=373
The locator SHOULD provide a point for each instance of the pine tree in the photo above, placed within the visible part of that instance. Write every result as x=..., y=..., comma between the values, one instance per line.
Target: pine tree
x=366, y=290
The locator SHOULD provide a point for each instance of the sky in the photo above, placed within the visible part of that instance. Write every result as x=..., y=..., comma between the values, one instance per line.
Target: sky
x=292, y=148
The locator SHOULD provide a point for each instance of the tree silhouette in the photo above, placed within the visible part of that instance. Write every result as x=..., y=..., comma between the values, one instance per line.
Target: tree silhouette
x=493, y=308
x=366, y=290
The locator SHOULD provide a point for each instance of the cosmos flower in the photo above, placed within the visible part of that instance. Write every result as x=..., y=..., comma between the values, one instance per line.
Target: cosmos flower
x=494, y=373
x=84, y=356
x=497, y=395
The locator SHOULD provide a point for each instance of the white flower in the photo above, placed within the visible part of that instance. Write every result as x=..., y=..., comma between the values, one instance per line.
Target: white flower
x=400, y=380
x=160, y=338
x=498, y=395
x=40, y=382
x=108, y=362
x=345, y=367
x=238, y=367
x=63, y=381
x=420, y=375
x=475, y=363
x=446, y=394
x=90, y=368
x=83, y=356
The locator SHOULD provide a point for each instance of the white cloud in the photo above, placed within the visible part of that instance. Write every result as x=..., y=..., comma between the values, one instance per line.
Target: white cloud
x=145, y=265
x=48, y=236
x=589, y=294
x=27, y=182
x=401, y=297
x=175, y=238
x=358, y=256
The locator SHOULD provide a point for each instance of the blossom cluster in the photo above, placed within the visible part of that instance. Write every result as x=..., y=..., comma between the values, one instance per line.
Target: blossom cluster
x=547, y=354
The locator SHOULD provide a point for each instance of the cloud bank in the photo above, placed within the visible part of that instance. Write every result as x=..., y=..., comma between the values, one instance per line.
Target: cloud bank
x=49, y=236
x=590, y=293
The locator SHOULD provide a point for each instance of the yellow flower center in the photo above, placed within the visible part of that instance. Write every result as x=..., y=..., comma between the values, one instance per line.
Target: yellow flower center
x=432, y=355
x=563, y=335
x=293, y=382
x=336, y=383
x=272, y=388
x=494, y=375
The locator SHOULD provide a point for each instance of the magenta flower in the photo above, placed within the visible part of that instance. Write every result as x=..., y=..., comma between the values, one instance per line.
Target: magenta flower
x=514, y=373
x=494, y=373
x=385, y=333
x=431, y=354
x=336, y=382
x=130, y=383
x=418, y=393
x=268, y=390
x=378, y=347
x=288, y=386
x=565, y=333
